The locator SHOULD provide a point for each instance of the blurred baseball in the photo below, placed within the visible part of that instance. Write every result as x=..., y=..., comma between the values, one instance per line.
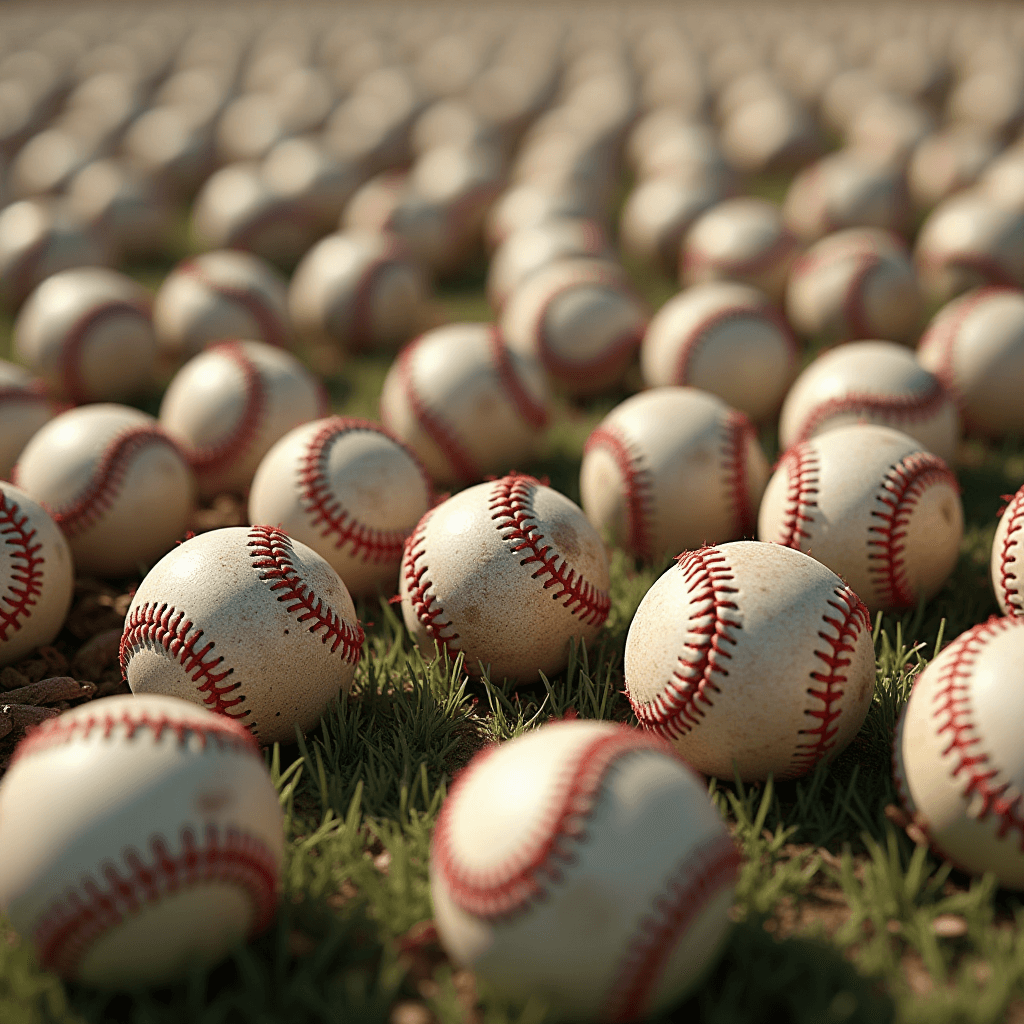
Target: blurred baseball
x=24, y=408
x=1007, y=562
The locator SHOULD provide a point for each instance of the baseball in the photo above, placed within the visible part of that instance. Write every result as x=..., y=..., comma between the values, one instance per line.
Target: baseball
x=726, y=338
x=752, y=659
x=741, y=240
x=349, y=490
x=358, y=291
x=946, y=162
x=648, y=457
x=583, y=862
x=465, y=403
x=957, y=755
x=247, y=622
x=229, y=404
x=114, y=481
x=873, y=382
x=506, y=573
x=88, y=334
x=581, y=319
x=872, y=505
x=857, y=283
x=218, y=296
x=24, y=408
x=527, y=204
x=141, y=836
x=1007, y=563
x=36, y=572
x=975, y=346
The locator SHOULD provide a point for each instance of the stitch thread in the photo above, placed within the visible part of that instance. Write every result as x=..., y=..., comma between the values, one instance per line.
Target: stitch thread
x=680, y=707
x=696, y=881
x=271, y=553
x=849, y=617
x=326, y=511
x=107, y=479
x=25, y=572
x=1014, y=519
x=739, y=432
x=505, y=890
x=361, y=323
x=84, y=913
x=802, y=467
x=418, y=585
x=511, y=507
x=533, y=412
x=74, y=342
x=902, y=488
x=637, y=484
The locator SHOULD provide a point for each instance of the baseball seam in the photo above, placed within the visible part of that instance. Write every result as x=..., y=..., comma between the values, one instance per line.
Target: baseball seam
x=1014, y=519
x=802, y=469
x=25, y=580
x=739, y=432
x=427, y=608
x=92, y=907
x=694, y=260
x=532, y=412
x=900, y=491
x=854, y=309
x=361, y=329
x=681, y=705
x=74, y=342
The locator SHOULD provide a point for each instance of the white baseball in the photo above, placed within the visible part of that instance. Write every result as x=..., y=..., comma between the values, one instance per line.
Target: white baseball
x=975, y=346
x=957, y=756
x=741, y=240
x=527, y=204
x=141, y=835
x=88, y=333
x=726, y=338
x=1007, y=562
x=581, y=318
x=229, y=404
x=247, y=622
x=872, y=382
x=857, y=283
x=507, y=573
x=218, y=296
x=465, y=403
x=114, y=481
x=872, y=505
x=36, y=572
x=753, y=659
x=948, y=161
x=359, y=291
x=651, y=453
x=583, y=862
x=349, y=490
x=24, y=408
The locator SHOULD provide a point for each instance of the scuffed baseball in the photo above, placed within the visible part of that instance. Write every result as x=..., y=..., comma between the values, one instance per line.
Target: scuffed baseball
x=141, y=836
x=228, y=405
x=651, y=454
x=24, y=408
x=88, y=333
x=872, y=382
x=1006, y=565
x=248, y=623
x=726, y=338
x=465, y=403
x=507, y=573
x=975, y=346
x=957, y=756
x=875, y=507
x=117, y=485
x=554, y=851
x=349, y=490
x=752, y=659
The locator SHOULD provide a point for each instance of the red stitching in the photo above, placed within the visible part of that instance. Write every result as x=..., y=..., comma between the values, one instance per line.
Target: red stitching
x=694, y=259
x=507, y=889
x=269, y=324
x=739, y=432
x=55, y=732
x=678, y=708
x=637, y=484
x=105, y=485
x=852, y=617
x=900, y=491
x=1014, y=519
x=802, y=466
x=992, y=273
x=24, y=580
x=326, y=510
x=427, y=608
x=511, y=507
x=271, y=552
x=218, y=456
x=88, y=910
x=437, y=430
x=533, y=412
x=395, y=252
x=74, y=342
x=698, y=879
x=153, y=623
